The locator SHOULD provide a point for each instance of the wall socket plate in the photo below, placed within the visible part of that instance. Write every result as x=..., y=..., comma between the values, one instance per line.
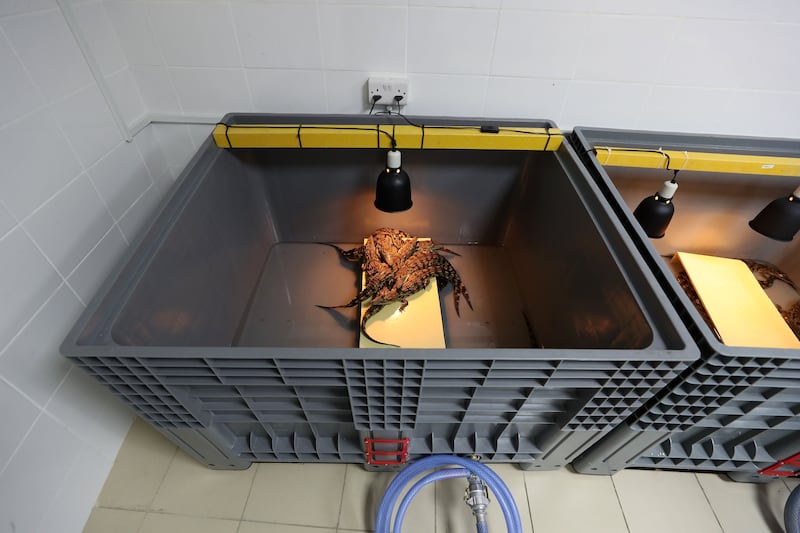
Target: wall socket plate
x=387, y=88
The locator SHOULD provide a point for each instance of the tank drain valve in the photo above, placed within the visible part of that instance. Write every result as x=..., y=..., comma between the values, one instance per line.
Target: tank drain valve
x=476, y=497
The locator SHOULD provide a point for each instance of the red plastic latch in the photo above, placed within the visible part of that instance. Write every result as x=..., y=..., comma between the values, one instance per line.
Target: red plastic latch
x=792, y=462
x=386, y=457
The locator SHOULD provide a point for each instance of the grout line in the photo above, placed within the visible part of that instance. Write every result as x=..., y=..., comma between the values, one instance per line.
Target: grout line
x=26, y=324
x=241, y=58
x=499, y=15
x=528, y=499
x=82, y=261
x=250, y=490
x=619, y=502
x=163, y=477
x=341, y=500
x=714, y=511
x=28, y=432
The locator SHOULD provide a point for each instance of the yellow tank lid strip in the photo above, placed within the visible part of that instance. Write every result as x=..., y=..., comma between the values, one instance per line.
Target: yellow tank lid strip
x=367, y=136
x=698, y=161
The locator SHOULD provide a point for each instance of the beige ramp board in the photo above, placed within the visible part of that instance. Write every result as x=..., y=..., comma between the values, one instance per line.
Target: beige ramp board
x=740, y=309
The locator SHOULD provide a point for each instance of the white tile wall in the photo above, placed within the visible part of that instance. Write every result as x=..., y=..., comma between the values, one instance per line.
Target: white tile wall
x=12, y=7
x=100, y=35
x=590, y=103
x=176, y=143
x=140, y=213
x=121, y=177
x=127, y=96
x=756, y=113
x=736, y=55
x=86, y=120
x=626, y=48
x=287, y=91
x=18, y=95
x=158, y=93
x=369, y=38
x=195, y=34
x=28, y=178
x=28, y=280
x=689, y=109
x=211, y=91
x=7, y=222
x=347, y=91
x=32, y=362
x=484, y=4
x=54, y=125
x=20, y=415
x=55, y=63
x=278, y=35
x=75, y=498
x=525, y=97
x=447, y=95
x=568, y=62
x=151, y=151
x=134, y=33
x=199, y=133
x=34, y=475
x=93, y=270
x=89, y=219
x=536, y=44
x=89, y=410
x=451, y=41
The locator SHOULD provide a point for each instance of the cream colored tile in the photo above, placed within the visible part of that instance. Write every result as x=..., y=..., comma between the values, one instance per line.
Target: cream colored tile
x=664, y=502
x=363, y=492
x=564, y=502
x=744, y=507
x=263, y=527
x=302, y=494
x=168, y=523
x=113, y=521
x=192, y=488
x=140, y=467
x=452, y=514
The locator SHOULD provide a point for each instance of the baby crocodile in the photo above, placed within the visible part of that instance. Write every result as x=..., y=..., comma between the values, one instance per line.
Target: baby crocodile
x=397, y=265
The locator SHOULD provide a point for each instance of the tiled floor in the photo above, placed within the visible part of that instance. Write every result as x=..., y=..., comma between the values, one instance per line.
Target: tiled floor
x=156, y=488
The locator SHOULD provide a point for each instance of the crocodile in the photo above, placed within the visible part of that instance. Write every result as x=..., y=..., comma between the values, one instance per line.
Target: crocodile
x=397, y=265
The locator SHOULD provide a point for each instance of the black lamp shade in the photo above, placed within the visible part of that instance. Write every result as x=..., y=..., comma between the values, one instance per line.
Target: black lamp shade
x=780, y=220
x=393, y=191
x=654, y=214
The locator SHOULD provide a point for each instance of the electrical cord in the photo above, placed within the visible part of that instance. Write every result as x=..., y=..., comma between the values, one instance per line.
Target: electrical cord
x=375, y=98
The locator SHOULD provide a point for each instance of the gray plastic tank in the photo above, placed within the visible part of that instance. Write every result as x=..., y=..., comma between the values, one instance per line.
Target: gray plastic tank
x=736, y=410
x=209, y=327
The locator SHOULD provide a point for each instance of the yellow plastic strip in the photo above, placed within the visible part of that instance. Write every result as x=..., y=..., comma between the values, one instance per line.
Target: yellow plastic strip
x=366, y=136
x=700, y=161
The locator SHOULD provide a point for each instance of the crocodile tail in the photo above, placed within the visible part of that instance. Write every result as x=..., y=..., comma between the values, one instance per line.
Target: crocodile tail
x=369, y=313
x=354, y=255
x=446, y=272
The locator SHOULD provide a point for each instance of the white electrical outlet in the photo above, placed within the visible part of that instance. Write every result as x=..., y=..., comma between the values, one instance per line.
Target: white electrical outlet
x=386, y=90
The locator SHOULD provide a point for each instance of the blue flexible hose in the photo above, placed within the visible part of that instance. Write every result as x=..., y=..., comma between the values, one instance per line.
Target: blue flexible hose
x=503, y=496
x=483, y=527
x=437, y=475
x=791, y=512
